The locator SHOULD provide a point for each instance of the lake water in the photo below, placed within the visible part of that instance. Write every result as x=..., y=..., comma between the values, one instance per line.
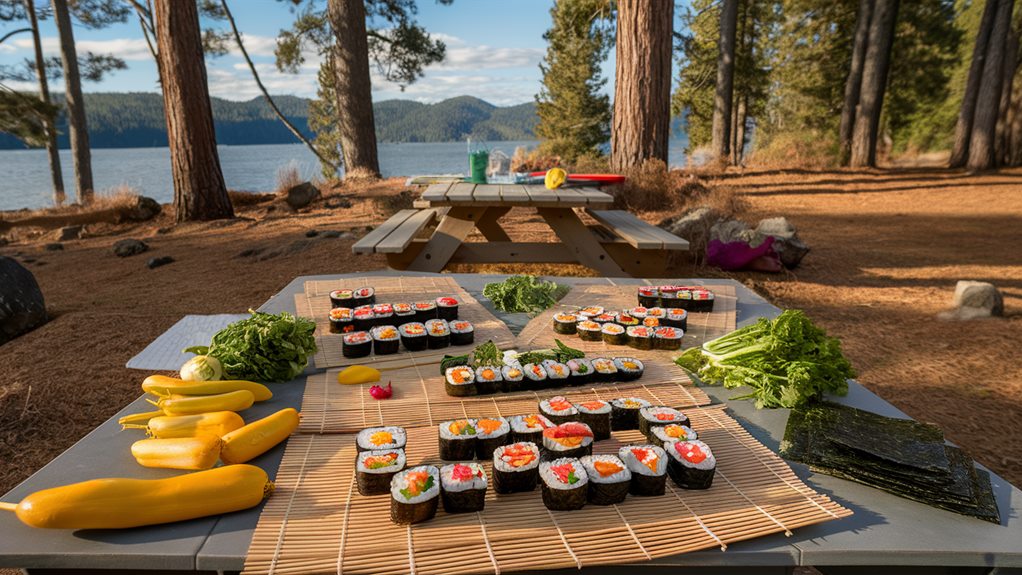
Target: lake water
x=25, y=176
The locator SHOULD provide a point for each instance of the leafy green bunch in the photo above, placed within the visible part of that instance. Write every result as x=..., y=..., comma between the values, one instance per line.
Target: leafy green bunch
x=264, y=347
x=523, y=293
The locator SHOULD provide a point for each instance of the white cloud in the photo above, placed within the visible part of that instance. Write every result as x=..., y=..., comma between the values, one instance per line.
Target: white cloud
x=488, y=57
x=125, y=48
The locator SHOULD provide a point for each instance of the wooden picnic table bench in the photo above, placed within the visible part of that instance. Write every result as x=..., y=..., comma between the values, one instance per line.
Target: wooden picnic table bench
x=619, y=244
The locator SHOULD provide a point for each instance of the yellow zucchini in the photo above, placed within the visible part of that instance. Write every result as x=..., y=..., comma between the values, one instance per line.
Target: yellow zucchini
x=118, y=503
x=258, y=437
x=162, y=385
x=217, y=423
x=189, y=453
x=195, y=404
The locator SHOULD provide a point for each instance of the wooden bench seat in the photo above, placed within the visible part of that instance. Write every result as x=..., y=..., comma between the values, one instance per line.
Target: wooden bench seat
x=639, y=234
x=396, y=234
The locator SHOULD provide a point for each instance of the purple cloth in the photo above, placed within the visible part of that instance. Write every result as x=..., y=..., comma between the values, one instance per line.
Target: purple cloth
x=734, y=256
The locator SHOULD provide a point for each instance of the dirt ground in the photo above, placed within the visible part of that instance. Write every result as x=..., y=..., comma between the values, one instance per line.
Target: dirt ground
x=887, y=249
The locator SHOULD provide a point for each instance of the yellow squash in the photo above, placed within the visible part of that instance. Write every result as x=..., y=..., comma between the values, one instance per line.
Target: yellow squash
x=358, y=374
x=217, y=423
x=121, y=503
x=162, y=385
x=189, y=453
x=258, y=437
x=195, y=404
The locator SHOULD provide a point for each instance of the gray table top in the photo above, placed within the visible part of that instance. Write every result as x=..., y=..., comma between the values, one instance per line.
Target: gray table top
x=885, y=530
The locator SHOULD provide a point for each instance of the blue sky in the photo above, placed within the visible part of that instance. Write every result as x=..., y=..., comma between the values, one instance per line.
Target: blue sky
x=493, y=51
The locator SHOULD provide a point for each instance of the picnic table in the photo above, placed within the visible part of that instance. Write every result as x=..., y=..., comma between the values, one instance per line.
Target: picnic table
x=885, y=534
x=619, y=244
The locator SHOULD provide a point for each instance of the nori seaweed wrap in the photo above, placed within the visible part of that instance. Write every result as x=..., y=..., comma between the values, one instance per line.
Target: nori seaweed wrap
x=363, y=296
x=691, y=464
x=463, y=487
x=363, y=318
x=491, y=433
x=609, y=479
x=589, y=330
x=529, y=428
x=447, y=308
x=342, y=298
x=658, y=415
x=460, y=381
x=413, y=336
x=571, y=439
x=629, y=368
x=511, y=378
x=648, y=464
x=378, y=438
x=375, y=469
x=424, y=311
x=340, y=320
x=356, y=344
x=564, y=323
x=565, y=484
x=581, y=371
x=596, y=414
x=385, y=339
x=515, y=467
x=487, y=379
x=462, y=332
x=640, y=337
x=458, y=440
x=624, y=412
x=438, y=334
x=414, y=495
x=648, y=296
x=558, y=409
x=661, y=435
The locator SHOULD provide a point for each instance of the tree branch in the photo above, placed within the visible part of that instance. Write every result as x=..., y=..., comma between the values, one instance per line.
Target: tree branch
x=12, y=33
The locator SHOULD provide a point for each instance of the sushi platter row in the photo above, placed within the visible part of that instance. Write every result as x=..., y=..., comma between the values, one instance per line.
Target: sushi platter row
x=639, y=327
x=691, y=298
x=413, y=336
x=344, y=319
x=464, y=380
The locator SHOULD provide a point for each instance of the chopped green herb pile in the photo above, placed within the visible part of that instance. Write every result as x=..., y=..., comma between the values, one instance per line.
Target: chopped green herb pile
x=488, y=354
x=524, y=293
x=787, y=361
x=264, y=347
x=560, y=354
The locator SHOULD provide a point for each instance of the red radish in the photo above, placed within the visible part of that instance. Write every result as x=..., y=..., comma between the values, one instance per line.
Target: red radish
x=381, y=392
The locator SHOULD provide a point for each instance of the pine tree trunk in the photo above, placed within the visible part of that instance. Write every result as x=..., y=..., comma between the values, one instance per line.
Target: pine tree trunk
x=356, y=124
x=49, y=124
x=199, y=190
x=984, y=123
x=78, y=127
x=967, y=111
x=1010, y=66
x=1015, y=125
x=865, y=131
x=743, y=114
x=724, y=95
x=642, y=89
x=853, y=84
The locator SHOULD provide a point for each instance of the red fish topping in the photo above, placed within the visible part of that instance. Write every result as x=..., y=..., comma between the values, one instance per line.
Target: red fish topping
x=559, y=404
x=446, y=301
x=565, y=473
x=664, y=416
x=534, y=421
x=462, y=472
x=593, y=405
x=690, y=451
x=518, y=455
x=647, y=457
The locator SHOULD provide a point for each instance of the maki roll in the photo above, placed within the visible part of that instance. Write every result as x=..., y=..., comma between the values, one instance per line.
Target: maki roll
x=511, y=378
x=340, y=320
x=628, y=368
x=458, y=440
x=375, y=469
x=638, y=312
x=571, y=439
x=414, y=495
x=658, y=416
x=363, y=296
x=463, y=487
x=677, y=317
x=487, y=379
x=661, y=435
x=535, y=376
x=564, y=323
x=651, y=322
x=460, y=381
x=604, y=369
x=356, y=344
x=363, y=318
x=640, y=337
x=648, y=296
x=515, y=467
x=608, y=479
x=581, y=371
x=385, y=339
x=595, y=414
x=564, y=484
x=557, y=373
x=668, y=338
x=692, y=464
x=462, y=332
x=492, y=432
x=383, y=314
x=342, y=298
x=529, y=428
x=648, y=464
x=670, y=296
x=447, y=308
x=403, y=313
x=590, y=312
x=413, y=336
x=438, y=334
x=558, y=410
x=624, y=412
x=657, y=313
x=702, y=300
x=628, y=320
x=606, y=317
x=425, y=311
x=614, y=334
x=380, y=438
x=589, y=330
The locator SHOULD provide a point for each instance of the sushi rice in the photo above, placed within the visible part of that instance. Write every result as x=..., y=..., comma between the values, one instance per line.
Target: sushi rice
x=376, y=438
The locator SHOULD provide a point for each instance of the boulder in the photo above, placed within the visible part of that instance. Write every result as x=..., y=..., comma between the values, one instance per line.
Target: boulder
x=68, y=233
x=731, y=230
x=789, y=247
x=130, y=247
x=311, y=233
x=160, y=261
x=301, y=195
x=145, y=209
x=21, y=302
x=694, y=225
x=979, y=299
x=54, y=247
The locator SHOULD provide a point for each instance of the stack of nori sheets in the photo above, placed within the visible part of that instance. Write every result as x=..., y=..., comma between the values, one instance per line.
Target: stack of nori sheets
x=900, y=456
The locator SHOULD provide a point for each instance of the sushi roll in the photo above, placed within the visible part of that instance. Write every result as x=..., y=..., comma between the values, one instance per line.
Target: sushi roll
x=515, y=467
x=609, y=479
x=535, y=376
x=640, y=337
x=571, y=439
x=648, y=296
x=462, y=332
x=381, y=438
x=702, y=300
x=638, y=312
x=460, y=381
x=596, y=414
x=590, y=312
x=374, y=470
x=627, y=320
x=558, y=410
x=363, y=296
x=511, y=377
x=557, y=374
x=403, y=313
x=356, y=344
x=363, y=318
x=340, y=320
x=648, y=464
x=628, y=368
x=656, y=312
x=492, y=432
x=651, y=322
x=342, y=298
x=565, y=484
x=425, y=311
x=671, y=432
x=463, y=487
x=529, y=428
x=414, y=495
x=581, y=371
x=658, y=416
x=447, y=308
x=458, y=440
x=677, y=317
x=692, y=464
x=438, y=334
x=385, y=339
x=614, y=334
x=668, y=338
x=383, y=314
x=670, y=296
x=589, y=330
x=606, y=317
x=413, y=336
x=624, y=412
x=604, y=369
x=564, y=323
x=487, y=379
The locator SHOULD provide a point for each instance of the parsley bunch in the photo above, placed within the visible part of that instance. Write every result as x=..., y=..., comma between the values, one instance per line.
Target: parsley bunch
x=264, y=347
x=524, y=293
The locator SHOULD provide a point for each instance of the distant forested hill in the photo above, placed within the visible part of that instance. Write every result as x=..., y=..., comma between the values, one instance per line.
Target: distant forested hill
x=135, y=120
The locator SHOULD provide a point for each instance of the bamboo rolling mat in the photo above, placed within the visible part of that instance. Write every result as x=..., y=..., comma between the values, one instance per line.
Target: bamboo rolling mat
x=315, y=304
x=316, y=522
x=702, y=327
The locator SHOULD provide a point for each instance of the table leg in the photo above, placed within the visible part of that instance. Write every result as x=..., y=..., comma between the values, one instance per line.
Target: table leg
x=489, y=227
x=577, y=237
x=454, y=227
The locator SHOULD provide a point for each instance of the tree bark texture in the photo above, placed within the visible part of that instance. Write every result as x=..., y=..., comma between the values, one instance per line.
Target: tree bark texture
x=865, y=131
x=984, y=122
x=78, y=129
x=49, y=124
x=642, y=89
x=724, y=95
x=1010, y=67
x=963, y=127
x=738, y=150
x=199, y=190
x=853, y=84
x=357, y=126
x=1015, y=125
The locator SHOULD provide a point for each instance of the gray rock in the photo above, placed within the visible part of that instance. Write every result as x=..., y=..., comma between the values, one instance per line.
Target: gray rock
x=160, y=261
x=341, y=203
x=311, y=234
x=301, y=195
x=68, y=233
x=21, y=301
x=778, y=227
x=130, y=247
x=694, y=225
x=788, y=246
x=330, y=234
x=731, y=230
x=54, y=247
x=980, y=298
x=164, y=230
x=145, y=209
